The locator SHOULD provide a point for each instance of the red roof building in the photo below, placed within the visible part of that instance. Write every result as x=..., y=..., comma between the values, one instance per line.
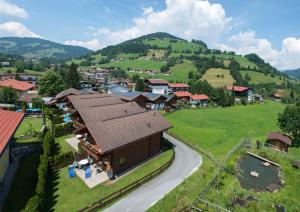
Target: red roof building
x=183, y=95
x=16, y=85
x=174, y=87
x=237, y=88
x=199, y=97
x=9, y=122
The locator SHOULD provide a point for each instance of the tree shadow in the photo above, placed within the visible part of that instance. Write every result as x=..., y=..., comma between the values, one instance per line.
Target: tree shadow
x=52, y=187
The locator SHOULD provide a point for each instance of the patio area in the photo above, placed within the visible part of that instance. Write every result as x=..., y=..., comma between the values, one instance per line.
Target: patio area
x=95, y=179
x=73, y=142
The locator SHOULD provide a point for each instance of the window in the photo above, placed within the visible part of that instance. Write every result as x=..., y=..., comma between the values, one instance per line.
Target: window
x=122, y=161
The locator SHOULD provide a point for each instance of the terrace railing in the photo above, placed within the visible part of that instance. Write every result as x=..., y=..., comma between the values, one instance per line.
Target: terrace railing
x=121, y=192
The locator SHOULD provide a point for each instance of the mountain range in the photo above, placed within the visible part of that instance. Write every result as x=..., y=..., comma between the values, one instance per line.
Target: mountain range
x=36, y=48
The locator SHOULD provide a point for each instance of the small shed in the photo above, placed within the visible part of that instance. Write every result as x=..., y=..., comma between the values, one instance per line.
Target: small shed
x=279, y=141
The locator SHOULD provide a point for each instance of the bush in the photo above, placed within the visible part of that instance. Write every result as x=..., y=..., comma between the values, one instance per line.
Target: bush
x=32, y=205
x=36, y=202
x=244, y=101
x=61, y=158
x=63, y=129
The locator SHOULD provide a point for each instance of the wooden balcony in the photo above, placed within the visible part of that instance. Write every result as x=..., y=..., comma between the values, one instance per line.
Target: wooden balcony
x=90, y=149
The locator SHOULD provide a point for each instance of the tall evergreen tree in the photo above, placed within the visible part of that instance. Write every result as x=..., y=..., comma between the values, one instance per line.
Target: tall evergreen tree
x=50, y=84
x=72, y=77
x=140, y=85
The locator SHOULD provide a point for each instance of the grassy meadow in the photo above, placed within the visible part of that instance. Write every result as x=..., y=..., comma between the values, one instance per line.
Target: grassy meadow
x=214, y=77
x=218, y=130
x=257, y=77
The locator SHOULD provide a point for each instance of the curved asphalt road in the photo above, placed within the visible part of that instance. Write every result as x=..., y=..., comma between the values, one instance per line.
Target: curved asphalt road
x=186, y=162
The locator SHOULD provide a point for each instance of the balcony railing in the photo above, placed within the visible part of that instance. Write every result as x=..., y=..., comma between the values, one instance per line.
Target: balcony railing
x=90, y=149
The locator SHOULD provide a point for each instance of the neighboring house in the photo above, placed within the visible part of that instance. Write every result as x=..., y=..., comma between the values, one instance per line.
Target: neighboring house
x=61, y=99
x=132, y=96
x=278, y=141
x=115, y=88
x=4, y=64
x=183, y=95
x=199, y=100
x=277, y=96
x=154, y=101
x=30, y=78
x=174, y=87
x=4, y=76
x=241, y=92
x=86, y=86
x=114, y=133
x=157, y=86
x=9, y=122
x=20, y=87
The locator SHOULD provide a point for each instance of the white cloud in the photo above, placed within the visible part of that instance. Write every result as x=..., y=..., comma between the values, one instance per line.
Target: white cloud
x=92, y=44
x=247, y=42
x=187, y=19
x=10, y=9
x=12, y=28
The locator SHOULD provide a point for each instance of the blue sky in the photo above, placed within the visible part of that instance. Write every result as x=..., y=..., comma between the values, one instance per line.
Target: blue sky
x=269, y=28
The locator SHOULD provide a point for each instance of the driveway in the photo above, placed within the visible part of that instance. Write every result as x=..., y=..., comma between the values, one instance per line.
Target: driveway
x=186, y=162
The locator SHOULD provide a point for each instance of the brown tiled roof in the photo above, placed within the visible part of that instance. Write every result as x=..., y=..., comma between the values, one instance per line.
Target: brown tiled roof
x=65, y=93
x=157, y=81
x=87, y=100
x=117, y=132
x=280, y=137
x=113, y=123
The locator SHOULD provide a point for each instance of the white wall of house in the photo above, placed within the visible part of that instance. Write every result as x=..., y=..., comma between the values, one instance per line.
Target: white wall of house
x=4, y=163
x=159, y=89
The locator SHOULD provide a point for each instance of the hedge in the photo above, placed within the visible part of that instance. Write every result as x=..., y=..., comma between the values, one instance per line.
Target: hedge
x=36, y=202
x=61, y=158
x=63, y=129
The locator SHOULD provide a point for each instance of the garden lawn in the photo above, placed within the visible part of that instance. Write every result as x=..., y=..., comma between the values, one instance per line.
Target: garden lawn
x=34, y=123
x=62, y=145
x=218, y=130
x=213, y=76
x=24, y=183
x=65, y=194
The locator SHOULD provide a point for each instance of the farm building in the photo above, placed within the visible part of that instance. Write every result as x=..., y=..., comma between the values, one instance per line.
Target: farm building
x=116, y=134
x=9, y=122
x=183, y=95
x=157, y=86
x=199, y=100
x=278, y=141
x=20, y=87
x=174, y=87
x=241, y=92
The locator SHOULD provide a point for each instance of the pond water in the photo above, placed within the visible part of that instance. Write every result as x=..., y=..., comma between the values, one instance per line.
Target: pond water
x=266, y=175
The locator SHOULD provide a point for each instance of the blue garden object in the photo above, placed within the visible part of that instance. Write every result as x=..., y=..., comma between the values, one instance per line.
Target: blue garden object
x=71, y=172
x=88, y=173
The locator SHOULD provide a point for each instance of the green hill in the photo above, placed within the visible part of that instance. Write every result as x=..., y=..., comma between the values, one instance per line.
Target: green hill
x=36, y=48
x=162, y=51
x=295, y=74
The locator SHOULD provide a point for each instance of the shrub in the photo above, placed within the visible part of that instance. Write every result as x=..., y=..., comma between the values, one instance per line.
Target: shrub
x=63, y=129
x=244, y=101
x=36, y=202
x=32, y=205
x=64, y=157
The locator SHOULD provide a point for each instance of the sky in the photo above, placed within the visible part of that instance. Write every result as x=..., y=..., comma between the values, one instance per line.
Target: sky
x=269, y=28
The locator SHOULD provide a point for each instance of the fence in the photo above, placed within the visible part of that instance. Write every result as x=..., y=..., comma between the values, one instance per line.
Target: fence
x=121, y=192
